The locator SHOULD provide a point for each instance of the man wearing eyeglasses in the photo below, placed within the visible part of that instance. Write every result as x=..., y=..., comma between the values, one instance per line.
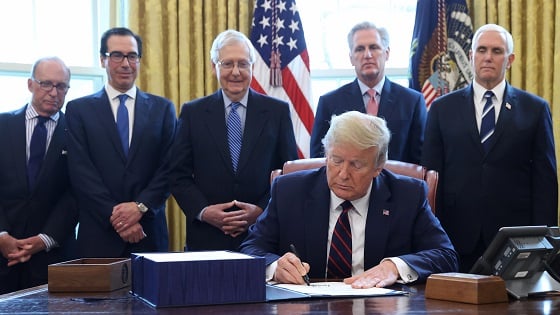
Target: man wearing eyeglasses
x=227, y=144
x=37, y=212
x=120, y=139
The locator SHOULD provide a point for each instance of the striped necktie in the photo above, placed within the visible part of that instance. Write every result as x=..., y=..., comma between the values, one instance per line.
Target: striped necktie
x=340, y=255
x=488, y=121
x=235, y=134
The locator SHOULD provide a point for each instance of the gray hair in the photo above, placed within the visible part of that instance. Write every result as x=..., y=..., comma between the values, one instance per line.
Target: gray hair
x=368, y=26
x=360, y=130
x=230, y=37
x=496, y=28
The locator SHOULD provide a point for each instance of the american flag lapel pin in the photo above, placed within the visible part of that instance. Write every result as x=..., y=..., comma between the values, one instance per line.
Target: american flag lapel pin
x=385, y=212
x=508, y=105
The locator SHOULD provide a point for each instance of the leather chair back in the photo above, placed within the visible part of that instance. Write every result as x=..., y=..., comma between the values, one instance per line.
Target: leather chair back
x=398, y=167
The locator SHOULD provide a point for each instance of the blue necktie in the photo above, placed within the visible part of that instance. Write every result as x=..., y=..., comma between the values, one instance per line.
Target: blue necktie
x=488, y=121
x=37, y=149
x=340, y=255
x=122, y=122
x=235, y=134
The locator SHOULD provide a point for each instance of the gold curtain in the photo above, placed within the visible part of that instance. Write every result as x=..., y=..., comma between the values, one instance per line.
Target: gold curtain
x=177, y=36
x=535, y=27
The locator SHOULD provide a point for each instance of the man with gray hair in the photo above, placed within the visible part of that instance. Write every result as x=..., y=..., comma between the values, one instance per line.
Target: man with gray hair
x=227, y=144
x=37, y=211
x=351, y=219
x=493, y=146
x=372, y=92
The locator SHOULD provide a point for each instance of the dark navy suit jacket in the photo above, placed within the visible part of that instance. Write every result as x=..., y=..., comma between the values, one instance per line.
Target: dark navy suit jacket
x=513, y=184
x=203, y=174
x=103, y=177
x=403, y=109
x=49, y=208
x=298, y=213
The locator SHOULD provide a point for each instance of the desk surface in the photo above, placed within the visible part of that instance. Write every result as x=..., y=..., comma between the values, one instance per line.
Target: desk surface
x=39, y=301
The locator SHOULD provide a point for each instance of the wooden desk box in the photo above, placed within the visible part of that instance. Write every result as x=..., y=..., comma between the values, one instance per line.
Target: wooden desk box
x=466, y=288
x=89, y=275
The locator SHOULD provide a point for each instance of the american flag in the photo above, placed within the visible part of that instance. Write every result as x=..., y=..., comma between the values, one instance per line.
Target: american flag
x=282, y=65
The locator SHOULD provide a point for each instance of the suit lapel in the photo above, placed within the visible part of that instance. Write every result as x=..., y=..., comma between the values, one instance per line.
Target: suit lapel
x=55, y=149
x=142, y=107
x=386, y=106
x=505, y=116
x=102, y=108
x=468, y=113
x=216, y=126
x=255, y=120
x=378, y=221
x=19, y=144
x=316, y=210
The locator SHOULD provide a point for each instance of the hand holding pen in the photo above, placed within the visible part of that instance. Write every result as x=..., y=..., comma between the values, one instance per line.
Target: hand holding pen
x=294, y=251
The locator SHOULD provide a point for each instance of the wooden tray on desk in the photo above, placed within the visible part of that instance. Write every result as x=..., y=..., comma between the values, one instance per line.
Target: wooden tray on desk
x=89, y=275
x=466, y=288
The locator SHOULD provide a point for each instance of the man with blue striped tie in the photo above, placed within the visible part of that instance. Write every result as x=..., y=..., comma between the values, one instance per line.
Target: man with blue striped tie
x=493, y=147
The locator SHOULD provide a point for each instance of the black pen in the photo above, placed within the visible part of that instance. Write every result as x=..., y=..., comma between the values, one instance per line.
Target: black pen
x=294, y=251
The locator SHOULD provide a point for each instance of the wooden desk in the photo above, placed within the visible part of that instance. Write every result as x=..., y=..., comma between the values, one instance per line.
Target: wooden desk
x=39, y=300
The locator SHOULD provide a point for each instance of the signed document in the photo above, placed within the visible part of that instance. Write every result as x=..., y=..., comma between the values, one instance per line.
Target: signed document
x=332, y=289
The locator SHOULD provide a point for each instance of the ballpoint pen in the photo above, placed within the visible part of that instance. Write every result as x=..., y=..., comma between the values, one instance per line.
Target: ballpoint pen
x=294, y=251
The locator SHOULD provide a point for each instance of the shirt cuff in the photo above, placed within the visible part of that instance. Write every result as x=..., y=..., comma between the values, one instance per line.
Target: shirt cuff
x=50, y=243
x=199, y=216
x=3, y=232
x=270, y=270
x=406, y=273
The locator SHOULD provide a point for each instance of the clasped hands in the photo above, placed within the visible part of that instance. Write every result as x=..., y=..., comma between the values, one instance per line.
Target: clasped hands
x=232, y=223
x=290, y=269
x=125, y=219
x=20, y=250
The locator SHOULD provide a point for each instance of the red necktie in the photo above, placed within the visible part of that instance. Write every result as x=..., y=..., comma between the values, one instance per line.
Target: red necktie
x=372, y=106
x=340, y=255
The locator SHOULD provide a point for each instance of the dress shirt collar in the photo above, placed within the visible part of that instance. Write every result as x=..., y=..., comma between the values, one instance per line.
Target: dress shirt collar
x=243, y=100
x=31, y=113
x=361, y=205
x=479, y=90
x=378, y=87
x=113, y=93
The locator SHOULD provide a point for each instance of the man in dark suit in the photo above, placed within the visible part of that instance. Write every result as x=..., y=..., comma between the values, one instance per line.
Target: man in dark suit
x=504, y=175
x=37, y=211
x=393, y=233
x=403, y=109
x=120, y=175
x=223, y=188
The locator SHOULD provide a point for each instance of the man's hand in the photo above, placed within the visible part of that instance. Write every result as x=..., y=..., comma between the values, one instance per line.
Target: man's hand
x=290, y=269
x=228, y=222
x=133, y=234
x=124, y=216
x=382, y=275
x=8, y=245
x=26, y=248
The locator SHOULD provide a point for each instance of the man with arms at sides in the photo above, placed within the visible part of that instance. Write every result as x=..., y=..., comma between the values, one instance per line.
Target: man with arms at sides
x=393, y=234
x=403, y=109
x=120, y=141
x=504, y=175
x=37, y=211
x=222, y=187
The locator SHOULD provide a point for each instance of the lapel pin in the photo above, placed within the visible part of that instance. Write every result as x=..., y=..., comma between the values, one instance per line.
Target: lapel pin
x=508, y=105
x=385, y=212
x=64, y=152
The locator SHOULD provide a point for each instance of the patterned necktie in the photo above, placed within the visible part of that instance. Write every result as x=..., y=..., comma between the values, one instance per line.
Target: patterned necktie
x=488, y=121
x=122, y=122
x=235, y=134
x=340, y=254
x=372, y=106
x=37, y=149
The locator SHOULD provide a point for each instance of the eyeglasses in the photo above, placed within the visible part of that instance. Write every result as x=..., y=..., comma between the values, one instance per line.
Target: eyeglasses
x=229, y=64
x=48, y=86
x=117, y=56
